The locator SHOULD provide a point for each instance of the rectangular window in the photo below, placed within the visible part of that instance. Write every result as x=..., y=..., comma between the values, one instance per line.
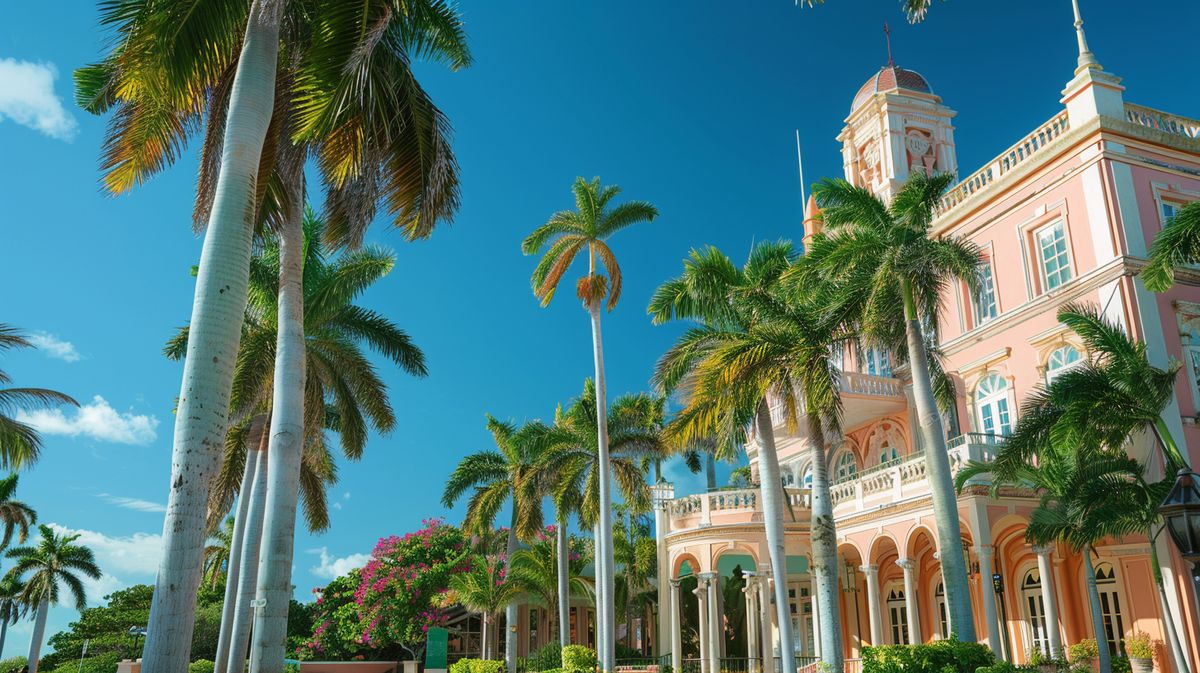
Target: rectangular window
x=1052, y=248
x=985, y=297
x=1169, y=210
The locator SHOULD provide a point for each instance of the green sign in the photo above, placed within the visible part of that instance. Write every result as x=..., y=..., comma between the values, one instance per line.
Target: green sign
x=435, y=649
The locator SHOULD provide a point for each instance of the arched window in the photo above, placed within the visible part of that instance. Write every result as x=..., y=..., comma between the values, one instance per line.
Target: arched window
x=789, y=478
x=1035, y=610
x=876, y=362
x=991, y=403
x=845, y=468
x=886, y=444
x=806, y=480
x=898, y=615
x=1061, y=359
x=887, y=452
x=1110, y=607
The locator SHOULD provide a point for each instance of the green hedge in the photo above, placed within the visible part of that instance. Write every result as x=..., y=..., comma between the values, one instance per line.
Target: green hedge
x=101, y=663
x=545, y=659
x=942, y=656
x=202, y=666
x=477, y=666
x=578, y=658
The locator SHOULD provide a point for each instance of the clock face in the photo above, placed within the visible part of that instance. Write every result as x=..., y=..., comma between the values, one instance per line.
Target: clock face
x=917, y=143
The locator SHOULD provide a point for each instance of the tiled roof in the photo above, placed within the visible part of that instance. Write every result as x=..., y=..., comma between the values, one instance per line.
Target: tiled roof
x=889, y=78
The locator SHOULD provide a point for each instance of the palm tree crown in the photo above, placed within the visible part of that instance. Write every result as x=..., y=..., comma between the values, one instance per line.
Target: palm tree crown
x=1177, y=244
x=511, y=470
x=53, y=562
x=20, y=443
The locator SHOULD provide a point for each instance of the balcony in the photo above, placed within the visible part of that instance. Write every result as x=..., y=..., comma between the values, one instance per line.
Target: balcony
x=864, y=397
x=905, y=479
x=728, y=507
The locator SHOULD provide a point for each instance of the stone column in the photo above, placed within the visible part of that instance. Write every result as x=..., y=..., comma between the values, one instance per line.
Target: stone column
x=765, y=613
x=716, y=632
x=990, y=614
x=816, y=617
x=752, y=642
x=1046, y=570
x=701, y=592
x=676, y=637
x=874, y=608
x=910, y=599
x=663, y=494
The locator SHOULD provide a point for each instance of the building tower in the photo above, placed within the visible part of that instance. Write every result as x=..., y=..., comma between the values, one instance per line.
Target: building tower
x=896, y=125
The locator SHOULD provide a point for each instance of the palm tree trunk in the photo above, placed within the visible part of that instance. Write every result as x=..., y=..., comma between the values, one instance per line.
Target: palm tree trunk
x=221, y=662
x=4, y=624
x=243, y=616
x=215, y=330
x=564, y=582
x=484, y=640
x=605, y=556
x=597, y=543
x=825, y=561
x=284, y=454
x=39, y=632
x=770, y=490
x=1105, y=657
x=510, y=610
x=941, y=484
x=1178, y=660
x=710, y=471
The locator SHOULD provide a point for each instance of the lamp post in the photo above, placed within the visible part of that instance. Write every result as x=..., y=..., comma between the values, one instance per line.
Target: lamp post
x=1181, y=512
x=136, y=632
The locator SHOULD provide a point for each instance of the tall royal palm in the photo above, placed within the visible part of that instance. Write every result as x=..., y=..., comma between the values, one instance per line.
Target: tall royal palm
x=635, y=551
x=563, y=237
x=895, y=272
x=20, y=442
x=376, y=135
x=54, y=562
x=536, y=569
x=755, y=341
x=509, y=473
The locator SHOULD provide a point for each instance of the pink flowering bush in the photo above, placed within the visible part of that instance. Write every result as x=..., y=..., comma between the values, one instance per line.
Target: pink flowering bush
x=387, y=606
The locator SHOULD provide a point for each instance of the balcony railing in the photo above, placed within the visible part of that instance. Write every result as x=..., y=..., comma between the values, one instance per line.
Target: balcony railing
x=1008, y=160
x=852, y=383
x=906, y=477
x=705, y=509
x=1162, y=121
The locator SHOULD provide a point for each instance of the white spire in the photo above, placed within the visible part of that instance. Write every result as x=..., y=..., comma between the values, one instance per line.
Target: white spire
x=1086, y=60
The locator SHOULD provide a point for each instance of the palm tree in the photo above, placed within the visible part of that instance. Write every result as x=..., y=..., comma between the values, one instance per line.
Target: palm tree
x=486, y=589
x=376, y=135
x=535, y=568
x=510, y=473
x=564, y=236
x=754, y=340
x=893, y=273
x=915, y=10
x=1177, y=244
x=55, y=561
x=15, y=516
x=20, y=442
x=636, y=552
x=242, y=584
x=217, y=553
x=12, y=607
x=1105, y=401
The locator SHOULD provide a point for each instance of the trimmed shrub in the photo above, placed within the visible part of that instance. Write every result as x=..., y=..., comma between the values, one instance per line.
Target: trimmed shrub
x=201, y=666
x=545, y=659
x=101, y=663
x=476, y=666
x=1083, y=651
x=578, y=658
x=13, y=664
x=943, y=656
x=1005, y=667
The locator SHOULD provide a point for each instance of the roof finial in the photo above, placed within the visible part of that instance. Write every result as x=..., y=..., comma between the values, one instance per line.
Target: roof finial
x=887, y=36
x=1086, y=60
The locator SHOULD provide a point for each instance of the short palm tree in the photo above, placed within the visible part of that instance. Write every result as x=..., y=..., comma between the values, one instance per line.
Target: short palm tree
x=893, y=273
x=54, y=562
x=636, y=554
x=217, y=553
x=347, y=92
x=20, y=442
x=509, y=473
x=563, y=237
x=754, y=340
x=12, y=605
x=535, y=568
x=1177, y=244
x=15, y=516
x=486, y=589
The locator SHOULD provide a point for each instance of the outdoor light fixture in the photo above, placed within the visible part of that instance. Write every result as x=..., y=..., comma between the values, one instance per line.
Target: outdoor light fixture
x=1181, y=512
x=971, y=568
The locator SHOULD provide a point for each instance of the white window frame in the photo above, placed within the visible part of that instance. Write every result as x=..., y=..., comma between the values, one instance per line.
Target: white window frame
x=839, y=460
x=1054, y=372
x=1112, y=607
x=987, y=288
x=897, y=612
x=1033, y=612
x=1062, y=258
x=876, y=362
x=999, y=400
x=939, y=611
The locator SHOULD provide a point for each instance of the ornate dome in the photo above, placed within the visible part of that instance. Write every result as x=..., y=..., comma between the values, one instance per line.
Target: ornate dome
x=890, y=78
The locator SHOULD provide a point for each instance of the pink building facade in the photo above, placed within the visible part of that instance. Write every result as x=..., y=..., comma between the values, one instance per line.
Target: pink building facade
x=1066, y=214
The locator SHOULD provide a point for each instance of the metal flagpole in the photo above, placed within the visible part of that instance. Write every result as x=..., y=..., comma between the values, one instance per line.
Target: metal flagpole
x=800, y=163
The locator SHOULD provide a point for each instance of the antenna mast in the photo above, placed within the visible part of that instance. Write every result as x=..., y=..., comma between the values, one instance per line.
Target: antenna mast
x=800, y=164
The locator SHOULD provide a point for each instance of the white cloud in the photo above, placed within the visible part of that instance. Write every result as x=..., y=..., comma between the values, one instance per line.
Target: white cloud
x=27, y=97
x=331, y=568
x=346, y=495
x=337, y=505
x=136, y=504
x=136, y=554
x=54, y=347
x=97, y=420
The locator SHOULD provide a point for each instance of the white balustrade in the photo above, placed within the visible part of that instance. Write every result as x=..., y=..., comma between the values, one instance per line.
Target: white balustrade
x=1162, y=121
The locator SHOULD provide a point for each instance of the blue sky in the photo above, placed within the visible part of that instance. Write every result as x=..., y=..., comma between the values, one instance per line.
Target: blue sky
x=691, y=106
